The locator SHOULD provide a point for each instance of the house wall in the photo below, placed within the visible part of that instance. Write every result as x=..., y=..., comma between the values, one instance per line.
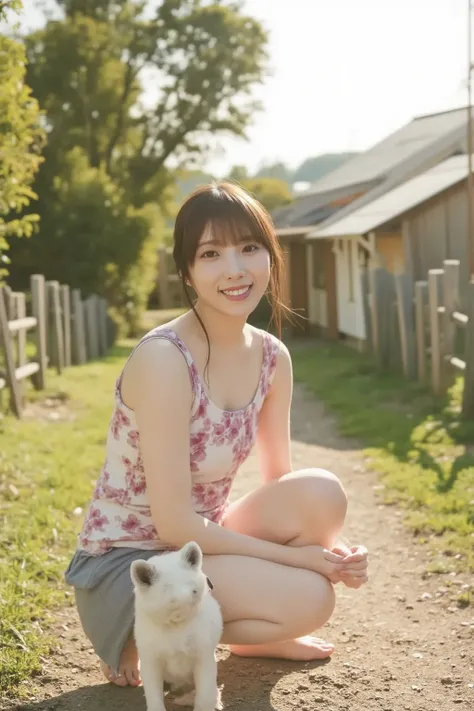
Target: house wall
x=389, y=246
x=350, y=314
x=437, y=230
x=317, y=298
x=321, y=280
x=298, y=287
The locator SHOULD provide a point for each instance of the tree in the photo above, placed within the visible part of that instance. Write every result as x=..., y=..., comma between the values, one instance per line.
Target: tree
x=110, y=135
x=271, y=192
x=21, y=142
x=87, y=71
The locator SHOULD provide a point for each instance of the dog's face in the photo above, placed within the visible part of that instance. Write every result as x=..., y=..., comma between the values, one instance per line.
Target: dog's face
x=170, y=587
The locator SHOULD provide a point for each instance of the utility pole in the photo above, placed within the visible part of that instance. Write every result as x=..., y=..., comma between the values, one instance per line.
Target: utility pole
x=470, y=195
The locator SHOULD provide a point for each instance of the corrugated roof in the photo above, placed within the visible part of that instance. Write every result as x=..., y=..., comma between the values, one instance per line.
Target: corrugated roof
x=375, y=163
x=398, y=201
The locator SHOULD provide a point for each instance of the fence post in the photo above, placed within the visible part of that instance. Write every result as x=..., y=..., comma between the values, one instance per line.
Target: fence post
x=421, y=289
x=78, y=332
x=56, y=338
x=38, y=304
x=435, y=277
x=450, y=303
x=91, y=326
x=404, y=291
x=5, y=338
x=65, y=298
x=102, y=321
x=468, y=393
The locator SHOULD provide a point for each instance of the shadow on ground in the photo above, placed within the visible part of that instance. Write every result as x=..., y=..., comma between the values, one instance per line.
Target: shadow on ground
x=243, y=682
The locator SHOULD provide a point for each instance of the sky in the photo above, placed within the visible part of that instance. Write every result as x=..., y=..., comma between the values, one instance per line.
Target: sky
x=345, y=74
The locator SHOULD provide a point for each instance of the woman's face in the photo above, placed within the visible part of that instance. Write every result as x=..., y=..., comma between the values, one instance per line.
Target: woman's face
x=230, y=278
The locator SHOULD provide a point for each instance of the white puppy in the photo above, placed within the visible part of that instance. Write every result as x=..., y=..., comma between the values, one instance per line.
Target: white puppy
x=178, y=624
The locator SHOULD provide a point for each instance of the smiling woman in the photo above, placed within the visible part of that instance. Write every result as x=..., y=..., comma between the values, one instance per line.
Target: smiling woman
x=193, y=399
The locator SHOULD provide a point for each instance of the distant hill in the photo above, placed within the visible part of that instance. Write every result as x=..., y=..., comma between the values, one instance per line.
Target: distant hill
x=310, y=170
x=313, y=169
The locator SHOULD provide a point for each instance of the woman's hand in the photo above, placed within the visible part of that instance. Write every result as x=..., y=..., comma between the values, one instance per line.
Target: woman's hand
x=321, y=560
x=353, y=572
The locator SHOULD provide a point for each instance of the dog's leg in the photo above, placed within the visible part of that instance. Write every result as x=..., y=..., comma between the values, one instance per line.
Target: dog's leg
x=152, y=679
x=205, y=681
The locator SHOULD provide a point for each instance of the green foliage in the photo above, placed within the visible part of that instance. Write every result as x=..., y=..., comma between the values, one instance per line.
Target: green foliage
x=21, y=142
x=271, y=192
x=101, y=243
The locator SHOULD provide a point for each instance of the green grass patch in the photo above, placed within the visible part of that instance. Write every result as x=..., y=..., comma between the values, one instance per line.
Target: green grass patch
x=419, y=445
x=48, y=465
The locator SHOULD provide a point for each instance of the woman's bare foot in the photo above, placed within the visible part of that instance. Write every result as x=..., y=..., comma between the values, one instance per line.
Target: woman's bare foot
x=302, y=649
x=129, y=668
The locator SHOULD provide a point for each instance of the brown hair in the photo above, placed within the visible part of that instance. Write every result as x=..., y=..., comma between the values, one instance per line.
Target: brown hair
x=232, y=212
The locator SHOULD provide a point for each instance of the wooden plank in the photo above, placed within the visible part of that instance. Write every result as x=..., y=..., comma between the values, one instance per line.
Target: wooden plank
x=460, y=319
x=468, y=394
x=55, y=319
x=404, y=292
x=23, y=323
x=38, y=298
x=15, y=395
x=450, y=303
x=78, y=329
x=65, y=298
x=26, y=370
x=435, y=277
x=421, y=298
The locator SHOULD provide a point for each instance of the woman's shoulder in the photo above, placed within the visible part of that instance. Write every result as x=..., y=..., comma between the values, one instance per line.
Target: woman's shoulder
x=273, y=344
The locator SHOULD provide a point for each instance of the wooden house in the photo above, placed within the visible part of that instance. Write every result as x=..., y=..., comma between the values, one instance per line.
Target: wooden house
x=411, y=228
x=313, y=287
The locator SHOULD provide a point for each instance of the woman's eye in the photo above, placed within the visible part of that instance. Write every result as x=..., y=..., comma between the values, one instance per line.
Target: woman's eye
x=250, y=247
x=209, y=254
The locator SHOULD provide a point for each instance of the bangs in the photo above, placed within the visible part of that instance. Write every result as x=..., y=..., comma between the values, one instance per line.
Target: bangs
x=229, y=220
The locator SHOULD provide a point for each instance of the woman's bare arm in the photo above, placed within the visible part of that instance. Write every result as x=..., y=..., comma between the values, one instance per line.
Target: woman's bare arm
x=156, y=385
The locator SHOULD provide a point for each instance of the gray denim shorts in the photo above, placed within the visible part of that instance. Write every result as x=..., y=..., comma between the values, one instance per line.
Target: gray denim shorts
x=105, y=599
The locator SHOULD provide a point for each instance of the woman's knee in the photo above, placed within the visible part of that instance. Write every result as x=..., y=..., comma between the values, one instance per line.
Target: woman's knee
x=320, y=493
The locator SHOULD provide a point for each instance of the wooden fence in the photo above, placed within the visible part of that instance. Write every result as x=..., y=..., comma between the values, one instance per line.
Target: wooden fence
x=66, y=330
x=418, y=328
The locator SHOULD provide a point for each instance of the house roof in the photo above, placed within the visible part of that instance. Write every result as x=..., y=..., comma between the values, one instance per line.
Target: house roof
x=377, y=163
x=397, y=201
x=402, y=155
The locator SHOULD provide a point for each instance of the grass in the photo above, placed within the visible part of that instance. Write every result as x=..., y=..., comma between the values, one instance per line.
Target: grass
x=48, y=468
x=419, y=445
x=47, y=471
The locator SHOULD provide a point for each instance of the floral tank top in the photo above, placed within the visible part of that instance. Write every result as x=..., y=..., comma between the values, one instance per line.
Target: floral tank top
x=220, y=441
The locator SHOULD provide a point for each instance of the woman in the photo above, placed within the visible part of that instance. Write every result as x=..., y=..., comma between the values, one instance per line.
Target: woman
x=191, y=401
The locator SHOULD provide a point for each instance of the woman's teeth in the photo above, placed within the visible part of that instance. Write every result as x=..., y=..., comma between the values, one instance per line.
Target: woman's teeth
x=236, y=292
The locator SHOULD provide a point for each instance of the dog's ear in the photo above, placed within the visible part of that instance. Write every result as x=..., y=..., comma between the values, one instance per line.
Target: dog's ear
x=142, y=573
x=192, y=554
x=209, y=584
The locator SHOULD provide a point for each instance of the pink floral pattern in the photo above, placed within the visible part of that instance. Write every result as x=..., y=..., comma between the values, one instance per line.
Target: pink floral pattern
x=119, y=513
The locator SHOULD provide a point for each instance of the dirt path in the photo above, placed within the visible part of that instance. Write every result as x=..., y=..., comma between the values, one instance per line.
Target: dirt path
x=401, y=643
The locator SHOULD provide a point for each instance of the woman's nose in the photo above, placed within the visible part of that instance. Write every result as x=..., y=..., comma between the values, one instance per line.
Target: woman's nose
x=234, y=264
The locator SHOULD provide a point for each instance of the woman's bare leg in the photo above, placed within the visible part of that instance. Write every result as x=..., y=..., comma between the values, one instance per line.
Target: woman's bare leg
x=304, y=507
x=268, y=606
